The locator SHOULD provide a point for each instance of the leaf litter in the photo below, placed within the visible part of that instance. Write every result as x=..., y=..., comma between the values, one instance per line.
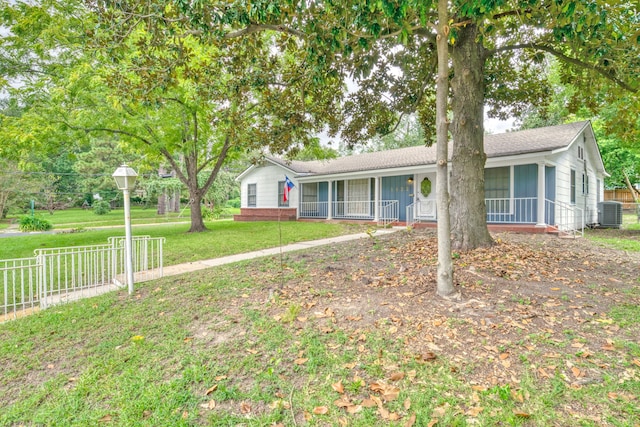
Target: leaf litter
x=528, y=301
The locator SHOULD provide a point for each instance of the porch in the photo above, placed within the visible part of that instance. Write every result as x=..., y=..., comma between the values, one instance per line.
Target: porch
x=507, y=214
x=519, y=214
x=382, y=212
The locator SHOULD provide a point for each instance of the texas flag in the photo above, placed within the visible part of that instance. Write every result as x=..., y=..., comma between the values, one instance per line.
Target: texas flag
x=288, y=185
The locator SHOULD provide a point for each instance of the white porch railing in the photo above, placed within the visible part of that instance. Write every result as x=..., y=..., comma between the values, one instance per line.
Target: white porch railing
x=361, y=209
x=61, y=275
x=565, y=218
x=313, y=209
x=389, y=212
x=421, y=210
x=521, y=210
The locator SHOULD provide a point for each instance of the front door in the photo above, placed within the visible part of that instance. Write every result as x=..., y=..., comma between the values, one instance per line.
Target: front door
x=425, y=190
x=398, y=188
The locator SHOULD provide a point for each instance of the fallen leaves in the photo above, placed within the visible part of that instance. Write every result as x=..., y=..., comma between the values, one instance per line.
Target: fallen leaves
x=320, y=410
x=338, y=387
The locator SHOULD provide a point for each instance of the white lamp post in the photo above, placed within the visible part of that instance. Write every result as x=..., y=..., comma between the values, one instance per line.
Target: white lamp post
x=125, y=180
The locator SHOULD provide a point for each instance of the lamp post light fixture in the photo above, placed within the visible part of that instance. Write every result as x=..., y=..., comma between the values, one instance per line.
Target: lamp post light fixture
x=125, y=180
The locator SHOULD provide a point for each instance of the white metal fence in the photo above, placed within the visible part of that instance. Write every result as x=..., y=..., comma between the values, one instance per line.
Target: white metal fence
x=20, y=290
x=59, y=275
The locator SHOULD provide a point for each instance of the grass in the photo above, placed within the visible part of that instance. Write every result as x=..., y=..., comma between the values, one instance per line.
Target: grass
x=78, y=218
x=223, y=238
x=629, y=240
x=205, y=349
x=194, y=350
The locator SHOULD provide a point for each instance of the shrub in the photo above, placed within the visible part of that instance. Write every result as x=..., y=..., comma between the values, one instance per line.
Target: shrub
x=212, y=214
x=234, y=203
x=33, y=223
x=101, y=207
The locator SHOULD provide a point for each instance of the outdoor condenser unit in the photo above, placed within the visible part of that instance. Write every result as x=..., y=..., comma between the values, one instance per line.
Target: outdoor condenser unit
x=610, y=214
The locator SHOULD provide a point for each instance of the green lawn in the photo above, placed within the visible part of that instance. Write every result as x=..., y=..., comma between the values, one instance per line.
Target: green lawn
x=223, y=238
x=207, y=349
x=76, y=218
x=627, y=238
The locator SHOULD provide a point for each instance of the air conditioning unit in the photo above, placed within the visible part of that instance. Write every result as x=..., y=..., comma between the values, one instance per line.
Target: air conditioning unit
x=610, y=214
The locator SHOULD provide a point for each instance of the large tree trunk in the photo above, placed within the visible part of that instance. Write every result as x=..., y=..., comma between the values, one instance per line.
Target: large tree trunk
x=197, y=222
x=468, y=210
x=445, y=265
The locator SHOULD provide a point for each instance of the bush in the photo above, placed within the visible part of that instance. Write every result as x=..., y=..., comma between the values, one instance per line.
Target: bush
x=101, y=207
x=234, y=203
x=33, y=223
x=212, y=214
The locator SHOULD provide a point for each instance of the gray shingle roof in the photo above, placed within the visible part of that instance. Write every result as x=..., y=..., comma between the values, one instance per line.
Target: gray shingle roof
x=499, y=145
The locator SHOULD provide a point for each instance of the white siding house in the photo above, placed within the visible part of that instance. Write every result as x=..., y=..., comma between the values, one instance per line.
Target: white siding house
x=546, y=178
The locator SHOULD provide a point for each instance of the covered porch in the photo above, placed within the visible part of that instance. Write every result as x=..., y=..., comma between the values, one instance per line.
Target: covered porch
x=381, y=199
x=515, y=214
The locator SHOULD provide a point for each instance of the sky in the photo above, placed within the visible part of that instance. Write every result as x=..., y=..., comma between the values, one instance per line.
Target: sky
x=498, y=126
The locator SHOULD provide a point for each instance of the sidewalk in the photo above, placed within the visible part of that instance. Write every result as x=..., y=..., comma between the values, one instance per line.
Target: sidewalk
x=173, y=270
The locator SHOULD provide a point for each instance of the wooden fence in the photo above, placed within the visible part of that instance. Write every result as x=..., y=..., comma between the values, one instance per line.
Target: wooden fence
x=620, y=195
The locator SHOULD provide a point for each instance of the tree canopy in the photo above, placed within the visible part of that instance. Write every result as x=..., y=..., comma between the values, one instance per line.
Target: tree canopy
x=140, y=76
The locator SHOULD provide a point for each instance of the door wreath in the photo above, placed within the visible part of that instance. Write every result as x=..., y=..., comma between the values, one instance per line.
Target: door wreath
x=425, y=187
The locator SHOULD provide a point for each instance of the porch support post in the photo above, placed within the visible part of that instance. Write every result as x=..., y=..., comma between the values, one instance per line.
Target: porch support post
x=330, y=200
x=376, y=199
x=541, y=195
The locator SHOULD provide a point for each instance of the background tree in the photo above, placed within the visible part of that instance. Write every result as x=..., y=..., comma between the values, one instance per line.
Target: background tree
x=10, y=186
x=148, y=80
x=621, y=156
x=95, y=164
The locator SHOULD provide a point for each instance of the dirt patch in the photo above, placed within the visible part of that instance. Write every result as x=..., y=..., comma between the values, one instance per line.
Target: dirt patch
x=525, y=300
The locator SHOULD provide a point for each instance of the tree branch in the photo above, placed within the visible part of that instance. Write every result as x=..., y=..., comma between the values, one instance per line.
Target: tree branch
x=254, y=28
x=109, y=130
x=221, y=158
x=568, y=59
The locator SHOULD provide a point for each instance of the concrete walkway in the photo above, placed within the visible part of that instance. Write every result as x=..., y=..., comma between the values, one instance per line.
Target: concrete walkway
x=173, y=270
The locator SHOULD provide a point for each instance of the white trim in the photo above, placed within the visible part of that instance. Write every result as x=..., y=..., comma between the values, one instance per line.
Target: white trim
x=266, y=159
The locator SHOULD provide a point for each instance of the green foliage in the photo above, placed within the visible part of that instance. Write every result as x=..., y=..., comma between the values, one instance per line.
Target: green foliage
x=33, y=223
x=95, y=163
x=619, y=161
x=223, y=188
x=233, y=203
x=211, y=214
x=101, y=207
x=313, y=151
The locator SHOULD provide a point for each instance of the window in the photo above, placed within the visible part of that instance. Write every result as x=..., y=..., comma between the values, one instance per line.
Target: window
x=585, y=184
x=309, y=199
x=358, y=197
x=573, y=186
x=497, y=183
x=251, y=195
x=580, y=153
x=587, y=179
x=497, y=189
x=310, y=192
x=281, y=202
